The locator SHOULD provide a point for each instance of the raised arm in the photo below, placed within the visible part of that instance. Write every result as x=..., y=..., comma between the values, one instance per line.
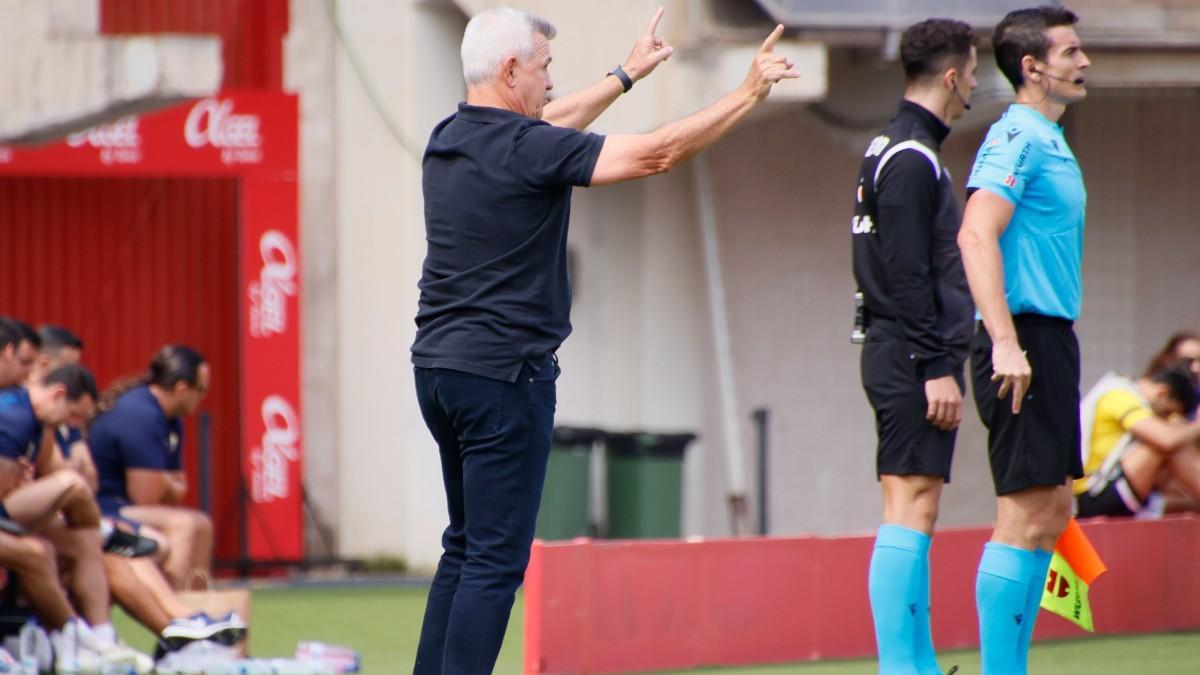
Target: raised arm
x=625, y=157
x=581, y=108
x=984, y=220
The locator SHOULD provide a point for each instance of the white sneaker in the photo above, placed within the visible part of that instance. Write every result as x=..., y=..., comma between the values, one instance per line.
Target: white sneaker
x=77, y=651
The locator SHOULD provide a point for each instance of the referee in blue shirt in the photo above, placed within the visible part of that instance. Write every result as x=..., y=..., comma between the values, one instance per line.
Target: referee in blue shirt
x=495, y=301
x=1021, y=242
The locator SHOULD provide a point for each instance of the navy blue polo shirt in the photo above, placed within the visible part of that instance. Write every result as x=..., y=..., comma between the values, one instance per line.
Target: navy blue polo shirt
x=66, y=436
x=494, y=288
x=20, y=431
x=134, y=434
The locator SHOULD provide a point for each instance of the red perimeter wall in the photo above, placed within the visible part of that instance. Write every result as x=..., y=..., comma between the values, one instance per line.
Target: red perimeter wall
x=621, y=606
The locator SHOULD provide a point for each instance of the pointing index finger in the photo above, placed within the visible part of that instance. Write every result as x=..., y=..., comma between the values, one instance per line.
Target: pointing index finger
x=652, y=27
x=769, y=44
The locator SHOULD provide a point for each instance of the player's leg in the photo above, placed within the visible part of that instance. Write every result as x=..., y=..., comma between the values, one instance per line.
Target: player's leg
x=132, y=595
x=189, y=539
x=898, y=580
x=88, y=581
x=33, y=560
x=1033, y=455
x=912, y=461
x=1184, y=468
x=36, y=503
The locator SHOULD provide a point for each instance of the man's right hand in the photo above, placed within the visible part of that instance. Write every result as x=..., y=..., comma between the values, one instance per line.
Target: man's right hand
x=945, y=403
x=768, y=67
x=1011, y=369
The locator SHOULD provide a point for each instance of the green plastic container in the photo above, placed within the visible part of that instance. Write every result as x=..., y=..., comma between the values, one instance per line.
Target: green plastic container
x=565, y=511
x=645, y=484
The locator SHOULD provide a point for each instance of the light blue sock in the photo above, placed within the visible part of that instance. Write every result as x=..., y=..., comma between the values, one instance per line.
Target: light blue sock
x=923, y=652
x=1001, y=591
x=894, y=586
x=1033, y=599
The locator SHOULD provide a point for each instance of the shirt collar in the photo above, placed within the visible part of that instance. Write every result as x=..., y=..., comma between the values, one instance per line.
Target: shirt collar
x=1030, y=113
x=934, y=126
x=484, y=114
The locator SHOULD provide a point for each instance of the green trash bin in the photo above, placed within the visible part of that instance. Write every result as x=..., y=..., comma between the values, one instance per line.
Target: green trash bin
x=565, y=511
x=645, y=484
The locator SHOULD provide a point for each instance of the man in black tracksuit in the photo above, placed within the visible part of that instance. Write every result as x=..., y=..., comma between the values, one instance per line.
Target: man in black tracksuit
x=919, y=319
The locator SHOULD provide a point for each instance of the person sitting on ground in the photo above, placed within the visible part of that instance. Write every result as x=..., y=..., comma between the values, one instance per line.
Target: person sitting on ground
x=137, y=444
x=60, y=506
x=1133, y=446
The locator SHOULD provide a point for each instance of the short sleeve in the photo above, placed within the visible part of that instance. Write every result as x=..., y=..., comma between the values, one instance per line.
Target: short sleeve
x=1004, y=163
x=142, y=446
x=1123, y=407
x=556, y=157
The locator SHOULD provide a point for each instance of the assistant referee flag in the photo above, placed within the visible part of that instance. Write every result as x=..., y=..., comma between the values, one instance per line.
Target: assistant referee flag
x=1073, y=568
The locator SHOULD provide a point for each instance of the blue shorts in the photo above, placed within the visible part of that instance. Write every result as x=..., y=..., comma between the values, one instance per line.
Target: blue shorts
x=111, y=506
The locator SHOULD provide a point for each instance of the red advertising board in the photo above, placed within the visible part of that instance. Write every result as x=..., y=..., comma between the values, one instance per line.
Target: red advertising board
x=250, y=133
x=251, y=137
x=271, y=428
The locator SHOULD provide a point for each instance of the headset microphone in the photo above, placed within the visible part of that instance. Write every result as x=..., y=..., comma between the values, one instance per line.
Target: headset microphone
x=954, y=88
x=1076, y=81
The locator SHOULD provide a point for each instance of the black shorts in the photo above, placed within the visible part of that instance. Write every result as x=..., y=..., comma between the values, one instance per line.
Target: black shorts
x=1039, y=446
x=909, y=444
x=1117, y=499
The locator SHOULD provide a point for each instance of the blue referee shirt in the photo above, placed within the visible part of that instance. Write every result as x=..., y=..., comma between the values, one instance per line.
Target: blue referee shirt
x=1026, y=160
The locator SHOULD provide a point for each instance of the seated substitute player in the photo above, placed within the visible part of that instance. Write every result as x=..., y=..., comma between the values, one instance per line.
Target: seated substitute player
x=138, y=586
x=64, y=446
x=1132, y=446
x=59, y=506
x=919, y=320
x=137, y=444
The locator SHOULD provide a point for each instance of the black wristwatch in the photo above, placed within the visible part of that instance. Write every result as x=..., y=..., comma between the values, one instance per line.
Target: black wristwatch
x=623, y=76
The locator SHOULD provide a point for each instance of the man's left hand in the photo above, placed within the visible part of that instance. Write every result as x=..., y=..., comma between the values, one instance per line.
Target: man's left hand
x=649, y=51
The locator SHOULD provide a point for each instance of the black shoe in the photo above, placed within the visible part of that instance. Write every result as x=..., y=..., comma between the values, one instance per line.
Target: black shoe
x=952, y=671
x=129, y=544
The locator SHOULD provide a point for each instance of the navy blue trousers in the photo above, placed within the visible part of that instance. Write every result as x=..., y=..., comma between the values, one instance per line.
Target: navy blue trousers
x=494, y=440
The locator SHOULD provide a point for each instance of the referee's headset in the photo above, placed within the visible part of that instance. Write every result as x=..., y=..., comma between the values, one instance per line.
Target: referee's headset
x=1078, y=80
x=958, y=95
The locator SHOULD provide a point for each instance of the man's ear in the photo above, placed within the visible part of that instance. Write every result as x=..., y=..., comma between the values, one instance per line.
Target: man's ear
x=508, y=71
x=950, y=79
x=1030, y=69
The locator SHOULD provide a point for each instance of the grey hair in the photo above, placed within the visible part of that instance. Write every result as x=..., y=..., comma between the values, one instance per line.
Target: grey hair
x=495, y=35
